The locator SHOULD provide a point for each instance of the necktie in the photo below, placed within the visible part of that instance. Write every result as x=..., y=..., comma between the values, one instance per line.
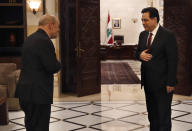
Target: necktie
x=149, y=40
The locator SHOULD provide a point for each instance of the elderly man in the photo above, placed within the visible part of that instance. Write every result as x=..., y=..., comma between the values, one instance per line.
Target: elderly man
x=39, y=63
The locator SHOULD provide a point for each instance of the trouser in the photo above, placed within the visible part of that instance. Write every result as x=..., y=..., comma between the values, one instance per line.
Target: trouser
x=37, y=116
x=159, y=109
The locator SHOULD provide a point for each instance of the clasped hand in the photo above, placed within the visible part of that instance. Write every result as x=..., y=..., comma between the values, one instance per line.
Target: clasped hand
x=145, y=56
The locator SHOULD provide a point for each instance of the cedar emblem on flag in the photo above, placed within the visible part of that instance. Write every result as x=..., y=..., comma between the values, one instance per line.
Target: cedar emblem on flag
x=109, y=30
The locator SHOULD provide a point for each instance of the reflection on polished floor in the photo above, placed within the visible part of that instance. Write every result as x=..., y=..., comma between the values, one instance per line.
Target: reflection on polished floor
x=116, y=108
x=106, y=116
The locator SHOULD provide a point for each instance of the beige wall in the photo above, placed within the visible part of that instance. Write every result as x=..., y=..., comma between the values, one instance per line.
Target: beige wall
x=126, y=10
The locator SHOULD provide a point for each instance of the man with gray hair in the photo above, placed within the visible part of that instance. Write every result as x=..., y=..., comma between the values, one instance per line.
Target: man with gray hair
x=35, y=85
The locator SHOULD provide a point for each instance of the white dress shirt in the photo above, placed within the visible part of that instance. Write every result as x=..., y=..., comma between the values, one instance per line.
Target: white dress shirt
x=154, y=32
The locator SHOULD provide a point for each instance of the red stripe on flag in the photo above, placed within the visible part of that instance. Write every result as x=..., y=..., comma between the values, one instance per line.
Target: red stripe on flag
x=110, y=41
x=108, y=18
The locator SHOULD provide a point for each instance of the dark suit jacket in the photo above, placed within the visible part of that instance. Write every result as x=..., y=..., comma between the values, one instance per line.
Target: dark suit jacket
x=161, y=70
x=39, y=63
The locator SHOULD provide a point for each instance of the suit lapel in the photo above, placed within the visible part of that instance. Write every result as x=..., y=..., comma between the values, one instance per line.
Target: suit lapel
x=157, y=38
x=145, y=40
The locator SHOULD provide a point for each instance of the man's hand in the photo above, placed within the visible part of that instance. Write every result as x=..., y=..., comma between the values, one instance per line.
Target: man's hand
x=145, y=56
x=170, y=89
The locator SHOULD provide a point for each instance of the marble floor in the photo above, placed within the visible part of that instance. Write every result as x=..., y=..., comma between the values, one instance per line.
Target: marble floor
x=105, y=116
x=116, y=108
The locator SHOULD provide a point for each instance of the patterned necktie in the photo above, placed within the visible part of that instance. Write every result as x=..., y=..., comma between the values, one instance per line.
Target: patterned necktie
x=149, y=40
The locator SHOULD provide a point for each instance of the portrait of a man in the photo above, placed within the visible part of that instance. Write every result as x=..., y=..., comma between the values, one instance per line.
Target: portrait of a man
x=116, y=23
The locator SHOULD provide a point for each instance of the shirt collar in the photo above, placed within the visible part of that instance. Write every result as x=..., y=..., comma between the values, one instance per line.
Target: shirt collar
x=155, y=30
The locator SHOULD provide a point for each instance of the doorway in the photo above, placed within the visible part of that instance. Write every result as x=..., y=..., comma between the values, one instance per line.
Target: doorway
x=79, y=46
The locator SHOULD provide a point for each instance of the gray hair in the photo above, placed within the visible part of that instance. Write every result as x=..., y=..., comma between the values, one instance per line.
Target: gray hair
x=46, y=19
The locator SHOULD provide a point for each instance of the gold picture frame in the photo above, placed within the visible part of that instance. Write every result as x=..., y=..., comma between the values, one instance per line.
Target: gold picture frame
x=116, y=22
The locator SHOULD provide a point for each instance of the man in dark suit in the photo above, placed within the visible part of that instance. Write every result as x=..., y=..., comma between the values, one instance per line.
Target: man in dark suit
x=157, y=50
x=35, y=85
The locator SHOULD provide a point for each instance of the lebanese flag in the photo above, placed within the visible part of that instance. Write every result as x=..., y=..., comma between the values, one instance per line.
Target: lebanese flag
x=109, y=31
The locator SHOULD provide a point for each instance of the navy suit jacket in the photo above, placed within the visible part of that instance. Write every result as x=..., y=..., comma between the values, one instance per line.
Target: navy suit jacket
x=161, y=70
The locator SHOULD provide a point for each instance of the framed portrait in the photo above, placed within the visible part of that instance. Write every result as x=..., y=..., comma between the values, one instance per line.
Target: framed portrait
x=116, y=23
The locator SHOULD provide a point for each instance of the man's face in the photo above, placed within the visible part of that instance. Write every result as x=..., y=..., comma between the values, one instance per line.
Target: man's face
x=54, y=29
x=148, y=23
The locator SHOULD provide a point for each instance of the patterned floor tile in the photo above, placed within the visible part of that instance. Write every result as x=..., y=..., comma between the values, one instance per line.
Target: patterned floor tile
x=21, y=129
x=68, y=105
x=89, y=120
x=90, y=108
x=139, y=108
x=16, y=114
x=187, y=102
x=177, y=113
x=116, y=126
x=54, y=108
x=20, y=121
x=183, y=107
x=10, y=127
x=87, y=129
x=114, y=102
x=185, y=118
x=106, y=116
x=180, y=126
x=115, y=114
x=114, y=105
x=61, y=126
x=175, y=103
x=142, y=129
x=64, y=126
x=139, y=119
x=64, y=114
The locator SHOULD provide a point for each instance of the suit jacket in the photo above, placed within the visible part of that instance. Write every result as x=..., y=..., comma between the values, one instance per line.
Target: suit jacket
x=161, y=70
x=39, y=63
